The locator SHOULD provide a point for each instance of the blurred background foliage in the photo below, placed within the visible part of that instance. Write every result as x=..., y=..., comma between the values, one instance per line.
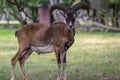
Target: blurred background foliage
x=101, y=7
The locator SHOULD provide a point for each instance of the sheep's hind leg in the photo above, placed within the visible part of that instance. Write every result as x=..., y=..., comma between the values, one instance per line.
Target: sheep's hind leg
x=22, y=61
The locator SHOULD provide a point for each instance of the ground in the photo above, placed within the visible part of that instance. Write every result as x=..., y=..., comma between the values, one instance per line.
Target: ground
x=94, y=56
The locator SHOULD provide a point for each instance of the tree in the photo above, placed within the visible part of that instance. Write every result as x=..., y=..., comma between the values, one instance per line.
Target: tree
x=115, y=5
x=22, y=10
x=26, y=10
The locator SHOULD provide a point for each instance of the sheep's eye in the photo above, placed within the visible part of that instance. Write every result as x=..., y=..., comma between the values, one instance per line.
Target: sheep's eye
x=65, y=16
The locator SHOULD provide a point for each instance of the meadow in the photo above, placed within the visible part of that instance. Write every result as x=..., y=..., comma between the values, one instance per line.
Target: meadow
x=93, y=56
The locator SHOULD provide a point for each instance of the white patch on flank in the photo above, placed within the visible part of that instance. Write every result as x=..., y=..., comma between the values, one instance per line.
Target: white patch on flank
x=45, y=49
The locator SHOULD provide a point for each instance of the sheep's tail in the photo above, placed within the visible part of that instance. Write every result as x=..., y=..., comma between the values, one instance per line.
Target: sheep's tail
x=16, y=32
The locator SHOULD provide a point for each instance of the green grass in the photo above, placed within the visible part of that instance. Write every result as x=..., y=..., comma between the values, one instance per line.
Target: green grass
x=94, y=56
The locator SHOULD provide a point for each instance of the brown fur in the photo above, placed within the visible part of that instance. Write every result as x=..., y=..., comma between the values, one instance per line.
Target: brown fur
x=40, y=35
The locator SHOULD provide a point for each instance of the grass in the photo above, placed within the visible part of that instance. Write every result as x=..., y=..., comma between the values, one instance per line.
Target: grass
x=94, y=56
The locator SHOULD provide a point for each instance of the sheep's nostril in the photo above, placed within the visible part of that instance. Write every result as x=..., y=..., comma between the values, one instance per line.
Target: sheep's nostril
x=70, y=27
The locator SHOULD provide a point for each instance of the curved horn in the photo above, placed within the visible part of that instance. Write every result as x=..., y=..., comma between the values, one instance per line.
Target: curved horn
x=81, y=5
x=59, y=6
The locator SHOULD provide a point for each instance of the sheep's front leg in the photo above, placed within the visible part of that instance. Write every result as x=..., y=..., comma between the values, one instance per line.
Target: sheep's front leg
x=63, y=66
x=61, y=61
x=57, y=53
x=63, y=51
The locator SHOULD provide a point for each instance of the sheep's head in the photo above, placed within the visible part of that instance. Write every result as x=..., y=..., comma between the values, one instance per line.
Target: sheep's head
x=69, y=13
